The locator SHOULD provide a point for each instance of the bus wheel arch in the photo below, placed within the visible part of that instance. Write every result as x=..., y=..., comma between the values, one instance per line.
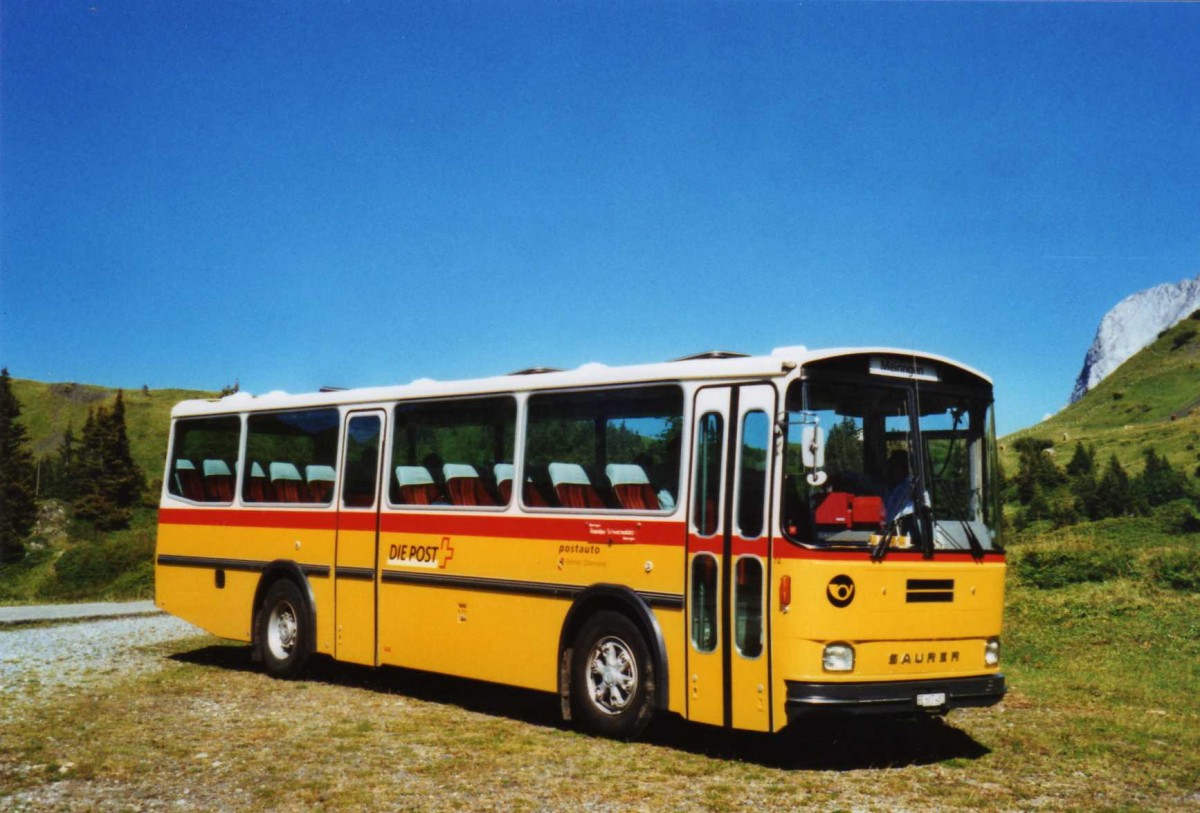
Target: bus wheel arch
x=618, y=613
x=283, y=622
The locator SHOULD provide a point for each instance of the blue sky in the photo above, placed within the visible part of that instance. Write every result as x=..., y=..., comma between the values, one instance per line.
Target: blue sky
x=358, y=193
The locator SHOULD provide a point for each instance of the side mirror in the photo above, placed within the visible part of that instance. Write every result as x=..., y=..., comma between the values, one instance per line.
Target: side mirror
x=812, y=445
x=812, y=451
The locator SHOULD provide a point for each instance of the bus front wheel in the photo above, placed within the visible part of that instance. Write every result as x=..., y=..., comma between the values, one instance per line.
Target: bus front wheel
x=285, y=630
x=612, y=677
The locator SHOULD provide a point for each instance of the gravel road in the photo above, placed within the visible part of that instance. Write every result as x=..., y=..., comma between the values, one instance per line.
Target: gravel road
x=40, y=659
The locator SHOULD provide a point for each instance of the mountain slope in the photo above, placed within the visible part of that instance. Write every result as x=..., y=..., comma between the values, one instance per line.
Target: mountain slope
x=1150, y=401
x=1132, y=325
x=48, y=409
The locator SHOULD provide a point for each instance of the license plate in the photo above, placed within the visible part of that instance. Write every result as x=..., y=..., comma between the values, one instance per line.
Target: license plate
x=932, y=700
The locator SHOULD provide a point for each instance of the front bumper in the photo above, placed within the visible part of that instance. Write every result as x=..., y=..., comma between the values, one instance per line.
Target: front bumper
x=893, y=697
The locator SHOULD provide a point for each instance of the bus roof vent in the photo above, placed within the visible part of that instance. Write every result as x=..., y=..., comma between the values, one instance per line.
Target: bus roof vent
x=713, y=354
x=333, y=389
x=536, y=371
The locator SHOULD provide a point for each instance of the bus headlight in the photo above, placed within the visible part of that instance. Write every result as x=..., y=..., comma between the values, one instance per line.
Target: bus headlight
x=991, y=652
x=838, y=658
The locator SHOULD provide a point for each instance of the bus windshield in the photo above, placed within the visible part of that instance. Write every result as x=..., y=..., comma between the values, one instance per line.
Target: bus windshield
x=902, y=464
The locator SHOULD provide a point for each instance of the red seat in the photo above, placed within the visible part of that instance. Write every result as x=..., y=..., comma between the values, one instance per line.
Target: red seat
x=631, y=487
x=286, y=485
x=504, y=480
x=218, y=481
x=572, y=486
x=256, y=484
x=531, y=496
x=464, y=485
x=187, y=480
x=319, y=483
x=416, y=486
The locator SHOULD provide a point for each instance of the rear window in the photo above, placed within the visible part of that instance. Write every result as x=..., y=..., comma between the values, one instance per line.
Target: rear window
x=204, y=459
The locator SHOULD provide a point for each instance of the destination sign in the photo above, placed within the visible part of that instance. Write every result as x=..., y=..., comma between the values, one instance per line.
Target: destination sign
x=911, y=368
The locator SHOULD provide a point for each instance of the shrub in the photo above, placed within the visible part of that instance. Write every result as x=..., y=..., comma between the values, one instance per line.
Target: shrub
x=1183, y=337
x=1177, y=568
x=1177, y=517
x=87, y=566
x=1051, y=566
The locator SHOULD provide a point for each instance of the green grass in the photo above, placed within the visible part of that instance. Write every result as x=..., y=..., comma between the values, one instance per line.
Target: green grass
x=1103, y=672
x=1100, y=716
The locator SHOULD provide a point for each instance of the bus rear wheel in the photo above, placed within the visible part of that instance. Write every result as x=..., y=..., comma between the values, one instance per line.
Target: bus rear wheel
x=612, y=677
x=285, y=630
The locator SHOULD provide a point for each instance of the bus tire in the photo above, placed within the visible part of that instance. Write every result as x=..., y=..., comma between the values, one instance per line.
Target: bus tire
x=612, y=677
x=285, y=630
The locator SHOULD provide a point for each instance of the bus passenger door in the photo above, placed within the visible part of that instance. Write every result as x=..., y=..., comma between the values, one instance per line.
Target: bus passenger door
x=729, y=557
x=356, y=576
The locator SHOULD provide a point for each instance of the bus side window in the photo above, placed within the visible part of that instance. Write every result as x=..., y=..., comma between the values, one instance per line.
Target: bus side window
x=298, y=451
x=203, y=459
x=709, y=445
x=704, y=602
x=604, y=450
x=362, y=461
x=752, y=474
x=454, y=453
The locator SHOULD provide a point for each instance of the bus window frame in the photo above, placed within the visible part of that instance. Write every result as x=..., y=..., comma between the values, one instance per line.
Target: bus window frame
x=389, y=469
x=172, y=458
x=983, y=395
x=681, y=481
x=332, y=503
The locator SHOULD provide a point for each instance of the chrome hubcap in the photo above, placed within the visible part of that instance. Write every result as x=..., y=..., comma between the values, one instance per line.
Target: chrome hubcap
x=281, y=630
x=612, y=673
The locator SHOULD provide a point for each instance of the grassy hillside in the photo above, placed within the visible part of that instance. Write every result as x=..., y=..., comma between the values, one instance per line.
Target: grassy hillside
x=47, y=410
x=1150, y=401
x=68, y=559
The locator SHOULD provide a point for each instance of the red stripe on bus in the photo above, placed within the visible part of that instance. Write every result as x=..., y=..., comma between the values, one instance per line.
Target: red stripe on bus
x=599, y=531
x=250, y=518
x=357, y=521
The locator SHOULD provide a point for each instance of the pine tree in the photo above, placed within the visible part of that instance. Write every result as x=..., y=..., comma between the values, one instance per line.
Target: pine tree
x=1114, y=492
x=110, y=483
x=1159, y=483
x=18, y=509
x=1083, y=461
x=1082, y=473
x=126, y=480
x=1037, y=473
x=91, y=502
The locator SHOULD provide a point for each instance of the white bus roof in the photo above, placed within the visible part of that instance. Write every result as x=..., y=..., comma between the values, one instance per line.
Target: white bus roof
x=780, y=362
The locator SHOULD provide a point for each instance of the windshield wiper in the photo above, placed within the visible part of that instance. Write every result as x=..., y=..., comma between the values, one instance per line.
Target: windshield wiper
x=972, y=540
x=923, y=528
x=880, y=550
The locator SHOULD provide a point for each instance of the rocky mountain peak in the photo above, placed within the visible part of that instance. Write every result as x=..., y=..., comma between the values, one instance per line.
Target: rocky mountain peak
x=1134, y=323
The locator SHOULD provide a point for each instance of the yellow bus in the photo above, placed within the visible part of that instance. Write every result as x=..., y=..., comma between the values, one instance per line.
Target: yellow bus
x=742, y=541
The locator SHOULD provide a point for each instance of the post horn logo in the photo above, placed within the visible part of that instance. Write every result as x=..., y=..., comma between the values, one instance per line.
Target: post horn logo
x=840, y=591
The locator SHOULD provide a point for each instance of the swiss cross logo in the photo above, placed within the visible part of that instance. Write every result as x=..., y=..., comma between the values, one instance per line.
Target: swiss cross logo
x=417, y=555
